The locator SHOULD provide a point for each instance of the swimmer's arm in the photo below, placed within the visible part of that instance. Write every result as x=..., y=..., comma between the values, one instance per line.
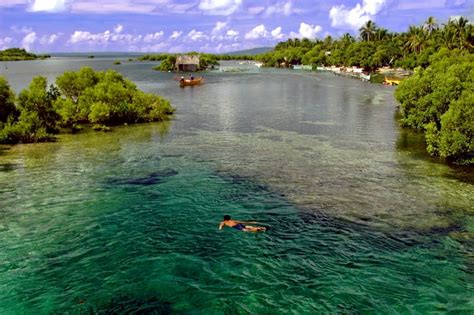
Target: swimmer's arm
x=221, y=225
x=248, y=222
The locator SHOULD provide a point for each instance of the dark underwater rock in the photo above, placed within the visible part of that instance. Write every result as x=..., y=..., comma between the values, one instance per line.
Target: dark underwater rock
x=152, y=179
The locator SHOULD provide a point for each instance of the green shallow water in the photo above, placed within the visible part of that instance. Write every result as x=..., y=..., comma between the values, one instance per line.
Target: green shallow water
x=360, y=220
x=100, y=222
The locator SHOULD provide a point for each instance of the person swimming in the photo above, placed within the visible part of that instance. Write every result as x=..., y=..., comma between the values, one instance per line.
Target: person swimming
x=241, y=225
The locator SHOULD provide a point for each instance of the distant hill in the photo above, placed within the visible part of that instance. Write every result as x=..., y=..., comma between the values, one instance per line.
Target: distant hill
x=253, y=51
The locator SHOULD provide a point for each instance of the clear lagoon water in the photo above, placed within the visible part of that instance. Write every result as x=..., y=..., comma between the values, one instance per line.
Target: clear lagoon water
x=360, y=219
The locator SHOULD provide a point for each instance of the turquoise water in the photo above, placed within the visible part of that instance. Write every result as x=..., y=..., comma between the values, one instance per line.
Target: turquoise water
x=360, y=220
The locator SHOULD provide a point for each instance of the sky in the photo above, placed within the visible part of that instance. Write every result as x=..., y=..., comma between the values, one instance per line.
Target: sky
x=215, y=26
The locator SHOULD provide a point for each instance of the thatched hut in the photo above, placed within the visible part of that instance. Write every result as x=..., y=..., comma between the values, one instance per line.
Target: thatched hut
x=187, y=63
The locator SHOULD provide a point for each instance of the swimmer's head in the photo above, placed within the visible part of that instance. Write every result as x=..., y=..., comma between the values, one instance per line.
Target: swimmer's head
x=226, y=217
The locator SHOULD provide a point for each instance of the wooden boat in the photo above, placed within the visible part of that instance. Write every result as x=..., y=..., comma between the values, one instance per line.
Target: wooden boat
x=189, y=82
x=302, y=67
x=390, y=81
x=364, y=77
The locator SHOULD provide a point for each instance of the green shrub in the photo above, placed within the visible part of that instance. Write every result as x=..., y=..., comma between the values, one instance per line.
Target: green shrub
x=107, y=99
x=29, y=128
x=439, y=100
x=7, y=101
x=84, y=96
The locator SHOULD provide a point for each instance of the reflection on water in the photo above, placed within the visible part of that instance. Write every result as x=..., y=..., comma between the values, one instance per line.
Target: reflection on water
x=360, y=219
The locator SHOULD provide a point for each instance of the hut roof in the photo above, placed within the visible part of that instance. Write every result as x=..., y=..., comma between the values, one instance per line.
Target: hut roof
x=187, y=60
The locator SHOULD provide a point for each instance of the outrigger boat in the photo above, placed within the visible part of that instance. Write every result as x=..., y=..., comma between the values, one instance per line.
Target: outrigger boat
x=190, y=82
x=390, y=81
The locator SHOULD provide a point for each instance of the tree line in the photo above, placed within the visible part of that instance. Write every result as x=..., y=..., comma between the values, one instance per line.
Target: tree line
x=375, y=47
x=82, y=97
x=16, y=54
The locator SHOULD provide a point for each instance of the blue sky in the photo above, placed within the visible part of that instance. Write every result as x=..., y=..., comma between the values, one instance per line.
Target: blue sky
x=203, y=25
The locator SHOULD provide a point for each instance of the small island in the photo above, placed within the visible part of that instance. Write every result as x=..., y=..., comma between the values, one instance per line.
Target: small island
x=192, y=61
x=18, y=54
x=79, y=98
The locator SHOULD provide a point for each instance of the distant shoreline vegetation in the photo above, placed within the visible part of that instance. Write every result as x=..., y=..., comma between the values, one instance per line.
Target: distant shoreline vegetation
x=374, y=48
x=18, y=54
x=206, y=61
x=79, y=98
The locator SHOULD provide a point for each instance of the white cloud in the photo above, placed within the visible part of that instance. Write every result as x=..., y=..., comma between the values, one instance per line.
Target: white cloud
x=309, y=31
x=220, y=7
x=232, y=33
x=28, y=40
x=153, y=37
x=218, y=32
x=81, y=36
x=197, y=35
x=48, y=6
x=279, y=8
x=118, y=28
x=220, y=48
x=285, y=8
x=108, y=36
x=373, y=7
x=211, y=48
x=276, y=33
x=342, y=17
x=257, y=32
x=176, y=34
x=5, y=42
x=220, y=26
x=159, y=47
x=49, y=40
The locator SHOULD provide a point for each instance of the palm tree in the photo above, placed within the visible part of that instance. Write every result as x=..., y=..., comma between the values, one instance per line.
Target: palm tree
x=461, y=27
x=381, y=34
x=430, y=25
x=459, y=32
x=367, y=31
x=415, y=39
x=306, y=43
x=327, y=43
x=346, y=40
x=470, y=37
